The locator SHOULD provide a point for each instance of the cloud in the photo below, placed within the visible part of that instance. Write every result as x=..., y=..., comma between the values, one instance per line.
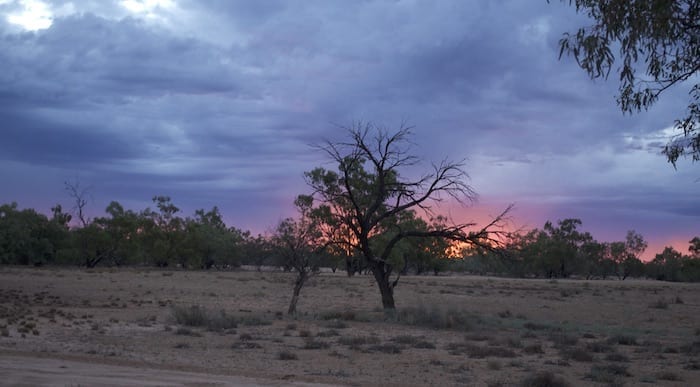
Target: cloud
x=217, y=102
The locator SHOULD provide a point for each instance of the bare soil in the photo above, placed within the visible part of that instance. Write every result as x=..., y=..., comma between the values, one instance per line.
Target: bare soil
x=117, y=327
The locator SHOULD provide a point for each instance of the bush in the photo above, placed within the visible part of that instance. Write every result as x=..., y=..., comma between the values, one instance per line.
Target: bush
x=537, y=327
x=186, y=332
x=577, y=354
x=563, y=340
x=607, y=373
x=436, y=317
x=346, y=315
x=668, y=375
x=315, y=344
x=544, y=379
x=659, y=304
x=617, y=357
x=197, y=316
x=385, y=348
x=193, y=316
x=286, y=355
x=691, y=348
x=479, y=352
x=599, y=347
x=623, y=340
x=354, y=341
x=328, y=333
x=336, y=324
x=533, y=349
x=413, y=341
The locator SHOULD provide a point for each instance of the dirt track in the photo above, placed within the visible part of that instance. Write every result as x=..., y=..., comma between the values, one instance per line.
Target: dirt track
x=30, y=370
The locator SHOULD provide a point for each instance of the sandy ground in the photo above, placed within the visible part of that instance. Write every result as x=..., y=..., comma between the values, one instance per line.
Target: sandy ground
x=117, y=327
x=28, y=369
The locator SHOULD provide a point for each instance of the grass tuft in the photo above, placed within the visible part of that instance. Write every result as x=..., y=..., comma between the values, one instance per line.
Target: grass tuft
x=607, y=373
x=479, y=352
x=668, y=375
x=577, y=354
x=311, y=343
x=659, y=304
x=623, y=340
x=413, y=341
x=286, y=355
x=544, y=379
x=385, y=348
x=197, y=316
x=436, y=317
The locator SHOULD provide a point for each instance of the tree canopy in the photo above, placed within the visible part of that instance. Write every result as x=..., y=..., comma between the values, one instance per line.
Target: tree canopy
x=658, y=45
x=366, y=205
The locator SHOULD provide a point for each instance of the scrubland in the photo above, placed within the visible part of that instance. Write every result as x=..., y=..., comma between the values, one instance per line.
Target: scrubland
x=71, y=326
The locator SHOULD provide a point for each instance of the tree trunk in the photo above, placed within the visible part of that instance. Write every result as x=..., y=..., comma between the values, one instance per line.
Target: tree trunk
x=385, y=288
x=298, y=284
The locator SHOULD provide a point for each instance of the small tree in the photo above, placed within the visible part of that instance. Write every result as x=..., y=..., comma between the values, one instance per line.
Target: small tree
x=122, y=231
x=368, y=193
x=564, y=249
x=694, y=248
x=28, y=237
x=299, y=245
x=165, y=231
x=89, y=236
x=666, y=266
x=207, y=241
x=634, y=247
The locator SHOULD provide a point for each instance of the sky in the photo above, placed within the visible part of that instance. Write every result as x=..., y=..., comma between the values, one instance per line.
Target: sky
x=220, y=102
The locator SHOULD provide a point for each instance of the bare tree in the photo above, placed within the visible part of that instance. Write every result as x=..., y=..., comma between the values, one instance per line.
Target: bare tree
x=368, y=195
x=92, y=247
x=80, y=195
x=299, y=244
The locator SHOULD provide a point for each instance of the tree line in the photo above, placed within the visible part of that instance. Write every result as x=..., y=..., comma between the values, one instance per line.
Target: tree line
x=364, y=215
x=563, y=250
x=162, y=238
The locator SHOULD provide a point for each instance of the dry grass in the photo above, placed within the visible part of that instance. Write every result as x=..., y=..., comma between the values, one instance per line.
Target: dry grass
x=450, y=330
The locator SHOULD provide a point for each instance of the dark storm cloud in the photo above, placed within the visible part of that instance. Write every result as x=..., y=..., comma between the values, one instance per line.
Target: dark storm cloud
x=47, y=142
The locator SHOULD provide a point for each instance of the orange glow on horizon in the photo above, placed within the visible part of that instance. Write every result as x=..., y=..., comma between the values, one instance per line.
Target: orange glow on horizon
x=524, y=218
